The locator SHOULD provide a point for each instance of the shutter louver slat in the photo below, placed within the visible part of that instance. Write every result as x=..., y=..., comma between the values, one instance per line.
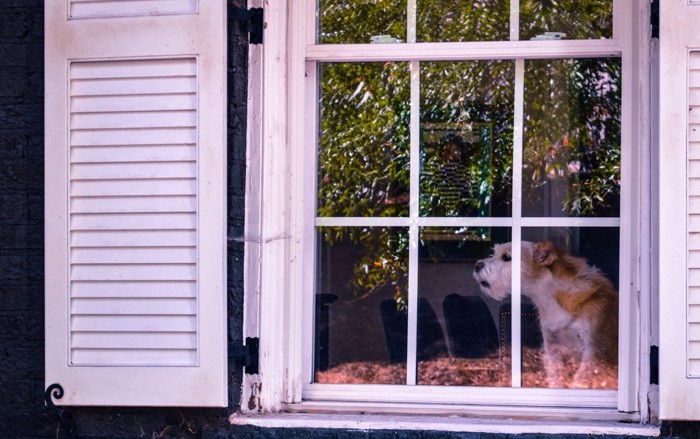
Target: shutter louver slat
x=145, y=170
x=144, y=136
x=136, y=324
x=144, y=204
x=134, y=119
x=132, y=238
x=133, y=204
x=134, y=69
x=134, y=221
x=112, y=340
x=131, y=306
x=117, y=103
x=155, y=153
x=132, y=86
x=133, y=272
x=144, y=255
x=134, y=357
x=693, y=243
x=134, y=289
x=91, y=188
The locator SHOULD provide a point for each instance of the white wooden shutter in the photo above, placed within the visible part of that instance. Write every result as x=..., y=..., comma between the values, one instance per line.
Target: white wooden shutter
x=135, y=202
x=679, y=277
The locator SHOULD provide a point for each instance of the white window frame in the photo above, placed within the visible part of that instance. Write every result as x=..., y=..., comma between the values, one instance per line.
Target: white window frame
x=280, y=235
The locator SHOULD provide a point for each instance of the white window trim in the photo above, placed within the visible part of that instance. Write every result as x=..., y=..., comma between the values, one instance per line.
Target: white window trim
x=277, y=266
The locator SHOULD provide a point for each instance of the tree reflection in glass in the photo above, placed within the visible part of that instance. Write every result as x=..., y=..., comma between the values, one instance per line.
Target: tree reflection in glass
x=466, y=138
x=363, y=155
x=571, y=152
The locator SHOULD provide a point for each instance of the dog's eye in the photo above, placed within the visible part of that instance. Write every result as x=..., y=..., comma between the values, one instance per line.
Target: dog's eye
x=506, y=257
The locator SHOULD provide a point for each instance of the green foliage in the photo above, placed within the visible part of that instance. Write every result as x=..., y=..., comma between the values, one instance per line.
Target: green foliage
x=364, y=140
x=458, y=20
x=572, y=135
x=576, y=18
x=355, y=21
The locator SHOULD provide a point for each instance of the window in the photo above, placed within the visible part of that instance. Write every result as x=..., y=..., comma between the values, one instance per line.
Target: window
x=423, y=166
x=413, y=155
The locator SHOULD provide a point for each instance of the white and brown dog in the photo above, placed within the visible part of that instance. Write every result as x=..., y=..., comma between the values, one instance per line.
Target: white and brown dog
x=577, y=306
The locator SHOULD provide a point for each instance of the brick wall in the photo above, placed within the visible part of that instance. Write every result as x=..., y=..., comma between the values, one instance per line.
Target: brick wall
x=22, y=412
x=21, y=219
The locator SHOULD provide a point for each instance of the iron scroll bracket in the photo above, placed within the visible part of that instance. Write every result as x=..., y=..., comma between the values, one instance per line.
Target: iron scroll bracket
x=56, y=391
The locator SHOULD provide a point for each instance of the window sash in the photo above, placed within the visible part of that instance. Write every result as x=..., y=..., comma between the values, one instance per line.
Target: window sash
x=415, y=53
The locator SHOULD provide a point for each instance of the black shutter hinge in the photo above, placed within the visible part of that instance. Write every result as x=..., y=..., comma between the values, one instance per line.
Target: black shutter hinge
x=654, y=365
x=246, y=355
x=64, y=419
x=655, y=18
x=252, y=22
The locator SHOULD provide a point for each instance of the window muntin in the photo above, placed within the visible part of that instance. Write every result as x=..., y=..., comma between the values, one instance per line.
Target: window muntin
x=515, y=221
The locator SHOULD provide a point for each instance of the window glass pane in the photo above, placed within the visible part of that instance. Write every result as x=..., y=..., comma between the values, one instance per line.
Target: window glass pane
x=361, y=302
x=571, y=151
x=569, y=319
x=357, y=21
x=460, y=330
x=365, y=21
x=457, y=20
x=363, y=167
x=466, y=138
x=574, y=19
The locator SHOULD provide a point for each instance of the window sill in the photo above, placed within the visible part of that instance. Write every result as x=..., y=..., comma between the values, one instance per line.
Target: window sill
x=451, y=423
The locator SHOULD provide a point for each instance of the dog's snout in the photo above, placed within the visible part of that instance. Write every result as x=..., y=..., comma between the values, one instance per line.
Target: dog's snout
x=479, y=265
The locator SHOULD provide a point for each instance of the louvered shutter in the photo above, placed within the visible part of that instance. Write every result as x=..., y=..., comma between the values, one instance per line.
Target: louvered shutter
x=135, y=202
x=679, y=217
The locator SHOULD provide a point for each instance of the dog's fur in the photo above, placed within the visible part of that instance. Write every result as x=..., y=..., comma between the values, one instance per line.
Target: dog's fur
x=577, y=305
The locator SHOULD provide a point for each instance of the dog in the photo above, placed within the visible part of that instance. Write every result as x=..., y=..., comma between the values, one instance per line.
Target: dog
x=577, y=306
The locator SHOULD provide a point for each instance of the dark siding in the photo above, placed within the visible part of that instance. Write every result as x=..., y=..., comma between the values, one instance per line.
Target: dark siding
x=22, y=412
x=21, y=221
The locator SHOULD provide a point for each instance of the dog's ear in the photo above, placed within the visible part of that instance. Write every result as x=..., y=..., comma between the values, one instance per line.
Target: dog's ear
x=545, y=253
x=572, y=301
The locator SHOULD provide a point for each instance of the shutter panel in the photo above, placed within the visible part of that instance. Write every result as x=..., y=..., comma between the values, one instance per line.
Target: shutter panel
x=135, y=202
x=693, y=295
x=679, y=216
